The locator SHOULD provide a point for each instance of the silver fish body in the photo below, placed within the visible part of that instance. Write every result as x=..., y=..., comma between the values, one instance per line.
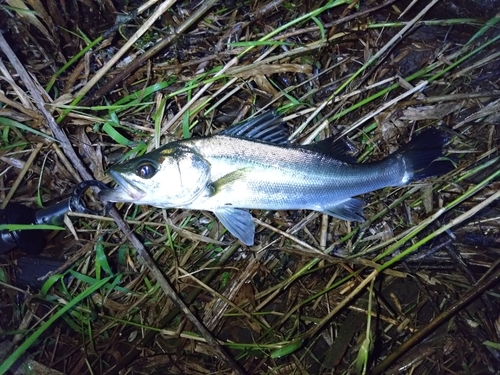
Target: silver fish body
x=253, y=175
x=250, y=166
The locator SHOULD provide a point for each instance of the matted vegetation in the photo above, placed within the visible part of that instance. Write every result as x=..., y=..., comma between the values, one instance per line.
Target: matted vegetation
x=144, y=290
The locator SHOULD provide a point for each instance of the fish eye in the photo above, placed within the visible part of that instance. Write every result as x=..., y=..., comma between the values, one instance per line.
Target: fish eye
x=146, y=170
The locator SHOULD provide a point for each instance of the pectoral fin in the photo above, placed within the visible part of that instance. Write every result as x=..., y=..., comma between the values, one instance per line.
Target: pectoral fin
x=238, y=222
x=350, y=209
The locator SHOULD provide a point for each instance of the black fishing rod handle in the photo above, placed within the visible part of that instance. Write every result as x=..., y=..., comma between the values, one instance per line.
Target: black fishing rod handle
x=30, y=241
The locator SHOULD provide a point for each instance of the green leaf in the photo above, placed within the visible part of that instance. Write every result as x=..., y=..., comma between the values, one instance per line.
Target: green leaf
x=363, y=354
x=115, y=135
x=91, y=280
x=185, y=125
x=3, y=276
x=8, y=122
x=135, y=151
x=13, y=227
x=123, y=255
x=133, y=99
x=320, y=26
x=491, y=344
x=49, y=283
x=254, y=43
x=488, y=25
x=102, y=259
x=288, y=349
x=225, y=278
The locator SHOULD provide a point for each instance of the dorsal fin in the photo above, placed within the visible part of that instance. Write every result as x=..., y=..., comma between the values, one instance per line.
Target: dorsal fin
x=338, y=149
x=268, y=127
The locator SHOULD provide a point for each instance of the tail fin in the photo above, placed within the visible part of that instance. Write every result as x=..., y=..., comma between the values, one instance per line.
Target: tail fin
x=420, y=154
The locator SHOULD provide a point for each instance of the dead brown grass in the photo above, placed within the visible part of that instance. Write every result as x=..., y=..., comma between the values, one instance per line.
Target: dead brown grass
x=314, y=292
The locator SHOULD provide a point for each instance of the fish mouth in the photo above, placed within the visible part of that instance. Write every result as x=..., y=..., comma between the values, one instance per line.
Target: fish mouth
x=125, y=192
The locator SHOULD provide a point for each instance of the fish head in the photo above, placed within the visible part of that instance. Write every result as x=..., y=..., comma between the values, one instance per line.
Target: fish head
x=171, y=176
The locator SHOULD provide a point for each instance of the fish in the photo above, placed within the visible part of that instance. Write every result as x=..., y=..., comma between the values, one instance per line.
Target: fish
x=251, y=165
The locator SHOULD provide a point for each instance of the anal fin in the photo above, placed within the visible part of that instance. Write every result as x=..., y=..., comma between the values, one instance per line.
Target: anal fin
x=350, y=209
x=238, y=222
